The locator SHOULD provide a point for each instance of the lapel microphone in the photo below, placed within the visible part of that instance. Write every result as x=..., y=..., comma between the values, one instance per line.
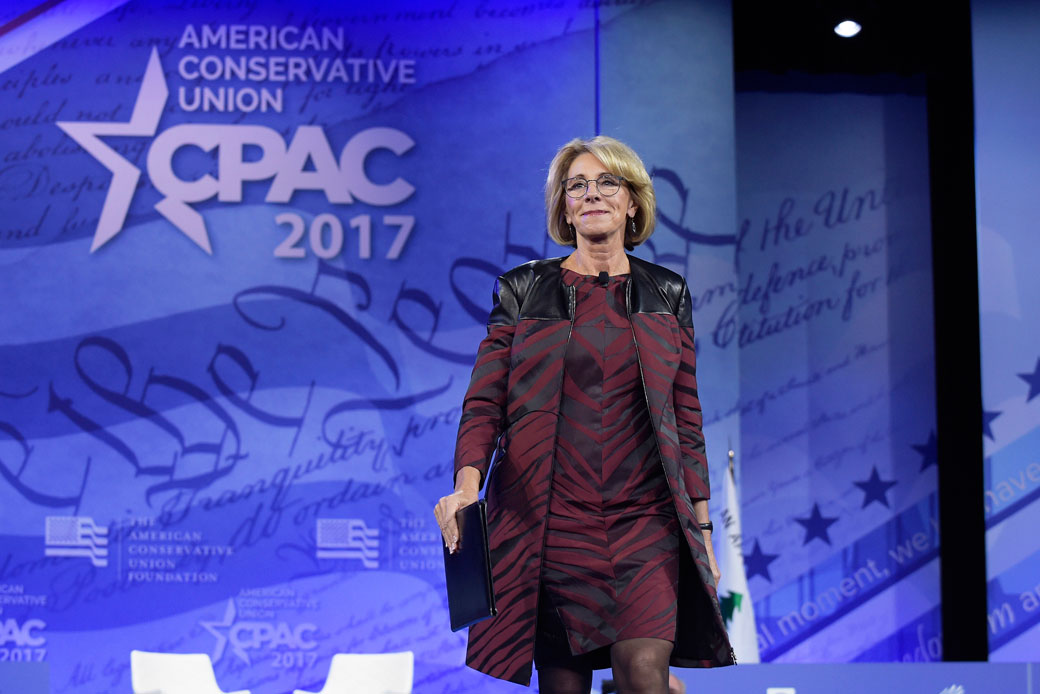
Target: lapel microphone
x=603, y=279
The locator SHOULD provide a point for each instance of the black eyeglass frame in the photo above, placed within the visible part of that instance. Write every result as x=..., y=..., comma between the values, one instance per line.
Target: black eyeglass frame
x=620, y=180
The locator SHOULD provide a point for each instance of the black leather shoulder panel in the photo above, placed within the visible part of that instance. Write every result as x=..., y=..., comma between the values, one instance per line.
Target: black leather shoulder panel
x=536, y=291
x=539, y=290
x=657, y=289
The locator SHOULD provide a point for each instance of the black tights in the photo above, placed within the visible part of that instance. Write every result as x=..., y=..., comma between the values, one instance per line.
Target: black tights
x=640, y=667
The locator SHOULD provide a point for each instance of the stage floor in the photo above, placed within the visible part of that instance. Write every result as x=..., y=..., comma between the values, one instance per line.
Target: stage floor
x=862, y=678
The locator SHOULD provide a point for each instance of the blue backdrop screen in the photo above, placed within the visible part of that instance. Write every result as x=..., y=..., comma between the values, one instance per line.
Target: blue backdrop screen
x=247, y=255
x=1007, y=163
x=833, y=319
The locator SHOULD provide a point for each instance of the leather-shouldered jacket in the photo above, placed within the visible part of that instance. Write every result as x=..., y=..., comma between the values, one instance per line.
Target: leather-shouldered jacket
x=515, y=391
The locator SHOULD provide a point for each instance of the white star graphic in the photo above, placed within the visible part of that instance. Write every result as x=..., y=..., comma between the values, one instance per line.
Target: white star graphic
x=219, y=631
x=144, y=120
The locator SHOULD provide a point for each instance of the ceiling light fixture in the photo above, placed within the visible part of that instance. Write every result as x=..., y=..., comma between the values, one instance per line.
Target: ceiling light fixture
x=847, y=28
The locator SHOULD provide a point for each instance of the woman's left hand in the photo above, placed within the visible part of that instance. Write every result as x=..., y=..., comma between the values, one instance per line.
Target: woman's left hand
x=712, y=564
x=714, y=569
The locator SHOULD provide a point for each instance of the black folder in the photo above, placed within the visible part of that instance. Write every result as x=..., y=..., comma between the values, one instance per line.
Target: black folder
x=471, y=593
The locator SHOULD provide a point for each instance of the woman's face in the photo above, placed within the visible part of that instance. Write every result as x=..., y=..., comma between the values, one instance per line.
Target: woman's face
x=594, y=216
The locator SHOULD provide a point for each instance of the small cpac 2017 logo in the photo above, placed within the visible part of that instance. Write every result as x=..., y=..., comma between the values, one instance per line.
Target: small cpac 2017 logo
x=954, y=689
x=780, y=690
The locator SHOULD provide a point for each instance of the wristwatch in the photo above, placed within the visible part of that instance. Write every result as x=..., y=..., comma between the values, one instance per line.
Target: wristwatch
x=707, y=526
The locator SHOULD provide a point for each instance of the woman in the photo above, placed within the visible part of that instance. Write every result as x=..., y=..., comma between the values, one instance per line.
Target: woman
x=598, y=513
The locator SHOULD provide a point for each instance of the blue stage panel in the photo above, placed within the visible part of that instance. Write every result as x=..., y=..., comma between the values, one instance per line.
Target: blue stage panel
x=933, y=678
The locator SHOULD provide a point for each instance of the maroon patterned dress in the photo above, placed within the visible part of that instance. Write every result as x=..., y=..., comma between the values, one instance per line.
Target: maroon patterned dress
x=611, y=558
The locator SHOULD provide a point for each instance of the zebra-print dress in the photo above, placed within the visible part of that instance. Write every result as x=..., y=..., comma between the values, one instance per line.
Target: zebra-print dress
x=611, y=558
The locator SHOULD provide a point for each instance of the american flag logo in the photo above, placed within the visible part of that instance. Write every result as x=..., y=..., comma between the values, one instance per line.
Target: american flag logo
x=76, y=536
x=348, y=538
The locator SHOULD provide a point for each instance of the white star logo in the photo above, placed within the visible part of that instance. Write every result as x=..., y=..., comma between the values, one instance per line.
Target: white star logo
x=219, y=631
x=144, y=121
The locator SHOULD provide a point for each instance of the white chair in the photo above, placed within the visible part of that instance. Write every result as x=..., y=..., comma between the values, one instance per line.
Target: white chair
x=369, y=673
x=174, y=673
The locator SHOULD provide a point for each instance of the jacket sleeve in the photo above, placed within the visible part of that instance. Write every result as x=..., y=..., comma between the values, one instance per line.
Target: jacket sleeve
x=484, y=407
x=688, y=416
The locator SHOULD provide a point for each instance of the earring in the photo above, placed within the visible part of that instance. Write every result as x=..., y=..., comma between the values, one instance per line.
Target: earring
x=571, y=228
x=633, y=226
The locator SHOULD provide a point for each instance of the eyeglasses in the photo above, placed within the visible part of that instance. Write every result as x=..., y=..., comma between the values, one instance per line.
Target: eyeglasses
x=607, y=185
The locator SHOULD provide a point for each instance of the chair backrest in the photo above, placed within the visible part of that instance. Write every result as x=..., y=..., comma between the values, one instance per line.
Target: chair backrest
x=370, y=673
x=172, y=673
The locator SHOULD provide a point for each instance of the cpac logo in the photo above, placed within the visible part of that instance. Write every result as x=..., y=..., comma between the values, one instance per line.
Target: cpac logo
x=244, y=636
x=22, y=635
x=342, y=181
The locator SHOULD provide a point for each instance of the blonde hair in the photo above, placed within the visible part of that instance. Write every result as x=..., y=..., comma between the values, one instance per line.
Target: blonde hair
x=620, y=160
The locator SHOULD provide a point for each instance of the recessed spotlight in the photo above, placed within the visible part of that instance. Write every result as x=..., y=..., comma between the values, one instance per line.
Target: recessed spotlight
x=847, y=29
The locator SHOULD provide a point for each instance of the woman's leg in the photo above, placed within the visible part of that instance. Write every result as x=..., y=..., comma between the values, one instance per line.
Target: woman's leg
x=565, y=678
x=641, y=665
x=559, y=672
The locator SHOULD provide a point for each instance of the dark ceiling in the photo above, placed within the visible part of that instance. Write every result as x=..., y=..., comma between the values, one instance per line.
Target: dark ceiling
x=783, y=36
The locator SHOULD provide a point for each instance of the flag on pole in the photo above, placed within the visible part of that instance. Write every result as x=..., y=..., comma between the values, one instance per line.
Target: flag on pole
x=737, y=610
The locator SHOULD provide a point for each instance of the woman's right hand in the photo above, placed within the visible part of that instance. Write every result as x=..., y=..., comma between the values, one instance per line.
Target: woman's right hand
x=445, y=513
x=467, y=490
